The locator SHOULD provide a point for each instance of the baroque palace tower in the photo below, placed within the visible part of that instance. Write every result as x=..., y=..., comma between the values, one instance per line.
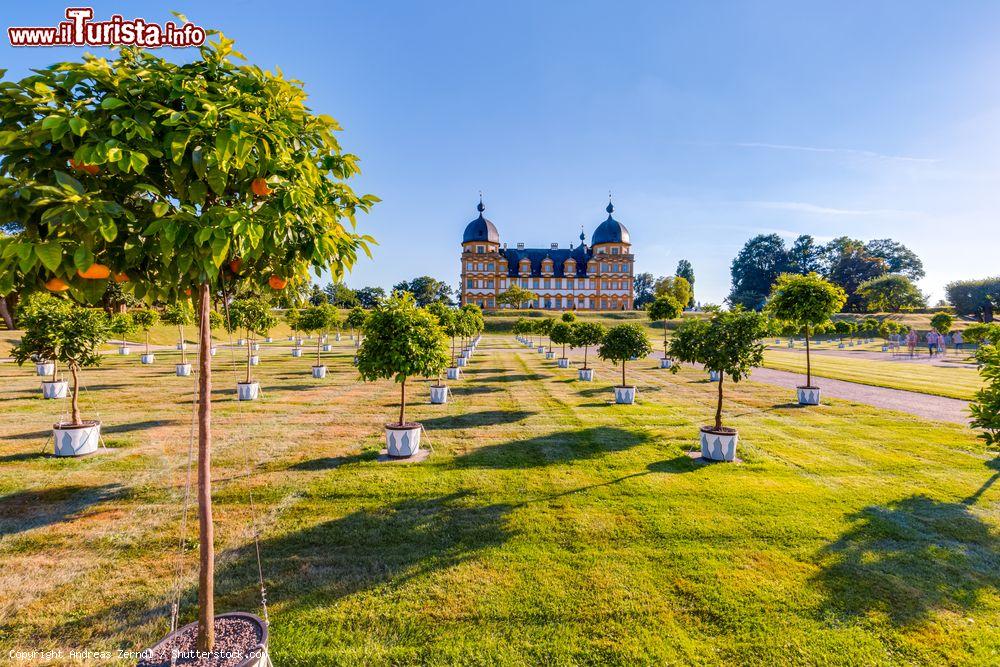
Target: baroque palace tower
x=595, y=277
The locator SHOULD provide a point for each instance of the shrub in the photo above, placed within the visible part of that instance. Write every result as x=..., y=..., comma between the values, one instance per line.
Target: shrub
x=942, y=323
x=623, y=342
x=985, y=408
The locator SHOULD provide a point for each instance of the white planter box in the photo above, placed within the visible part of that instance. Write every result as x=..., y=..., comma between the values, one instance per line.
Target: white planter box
x=454, y=373
x=57, y=389
x=147, y=359
x=45, y=368
x=70, y=440
x=327, y=347
x=791, y=343
x=296, y=351
x=247, y=391
x=718, y=446
x=255, y=347
x=213, y=350
x=666, y=363
x=182, y=346
x=586, y=374
x=268, y=340
x=563, y=362
x=254, y=359
x=319, y=372
x=713, y=376
x=550, y=355
x=402, y=442
x=439, y=394
x=124, y=351
x=337, y=338
x=808, y=395
x=241, y=341
x=625, y=395
x=540, y=349
x=461, y=361
x=183, y=370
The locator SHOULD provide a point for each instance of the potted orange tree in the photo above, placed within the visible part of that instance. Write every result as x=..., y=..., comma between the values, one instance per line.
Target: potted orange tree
x=806, y=301
x=621, y=343
x=224, y=161
x=728, y=344
x=317, y=319
x=447, y=319
x=41, y=317
x=73, y=336
x=664, y=308
x=584, y=335
x=180, y=315
x=402, y=341
x=146, y=319
x=561, y=334
x=122, y=325
x=251, y=314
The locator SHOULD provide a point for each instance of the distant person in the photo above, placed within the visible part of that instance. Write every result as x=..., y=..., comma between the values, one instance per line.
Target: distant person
x=957, y=341
x=931, y=339
x=942, y=345
x=911, y=342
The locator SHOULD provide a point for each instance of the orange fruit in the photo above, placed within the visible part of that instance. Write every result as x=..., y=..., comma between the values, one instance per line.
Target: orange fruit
x=56, y=285
x=94, y=272
x=235, y=264
x=91, y=169
x=188, y=291
x=277, y=282
x=259, y=187
x=121, y=278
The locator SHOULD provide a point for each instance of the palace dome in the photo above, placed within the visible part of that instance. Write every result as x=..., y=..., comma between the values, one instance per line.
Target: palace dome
x=609, y=231
x=481, y=229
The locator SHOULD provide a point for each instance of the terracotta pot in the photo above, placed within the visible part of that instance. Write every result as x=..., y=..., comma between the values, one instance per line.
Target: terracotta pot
x=718, y=445
x=402, y=441
x=76, y=440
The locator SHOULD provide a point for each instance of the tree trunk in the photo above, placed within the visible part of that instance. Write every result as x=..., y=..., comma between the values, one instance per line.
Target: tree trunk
x=249, y=354
x=584, y=357
x=453, y=351
x=147, y=341
x=206, y=537
x=623, y=372
x=808, y=364
x=75, y=414
x=718, y=409
x=180, y=333
x=402, y=401
x=664, y=339
x=6, y=314
x=319, y=349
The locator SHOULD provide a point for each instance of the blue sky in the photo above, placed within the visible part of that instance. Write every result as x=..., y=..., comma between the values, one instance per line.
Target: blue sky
x=709, y=121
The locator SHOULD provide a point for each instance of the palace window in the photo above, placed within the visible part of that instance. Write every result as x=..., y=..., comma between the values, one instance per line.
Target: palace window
x=489, y=283
x=489, y=267
x=524, y=282
x=614, y=251
x=469, y=283
x=480, y=249
x=534, y=283
x=569, y=283
x=468, y=266
x=489, y=303
x=546, y=284
x=558, y=283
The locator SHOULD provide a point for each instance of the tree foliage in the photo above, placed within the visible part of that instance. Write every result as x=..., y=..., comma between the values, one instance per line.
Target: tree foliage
x=426, y=290
x=942, y=322
x=889, y=293
x=516, y=296
x=586, y=334
x=676, y=287
x=985, y=409
x=686, y=271
x=643, y=286
x=623, y=342
x=976, y=298
x=252, y=315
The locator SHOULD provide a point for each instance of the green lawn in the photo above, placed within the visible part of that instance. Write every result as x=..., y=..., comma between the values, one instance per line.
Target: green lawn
x=953, y=382
x=548, y=526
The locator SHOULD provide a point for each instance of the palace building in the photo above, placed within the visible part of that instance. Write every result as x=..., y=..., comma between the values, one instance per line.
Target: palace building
x=594, y=277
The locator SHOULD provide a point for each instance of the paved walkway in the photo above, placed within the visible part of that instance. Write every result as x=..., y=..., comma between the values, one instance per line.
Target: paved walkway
x=937, y=408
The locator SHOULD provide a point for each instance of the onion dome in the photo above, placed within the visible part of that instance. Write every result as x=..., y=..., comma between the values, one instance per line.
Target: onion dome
x=610, y=231
x=481, y=229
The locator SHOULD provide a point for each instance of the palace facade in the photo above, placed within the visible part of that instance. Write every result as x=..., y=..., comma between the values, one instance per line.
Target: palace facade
x=580, y=277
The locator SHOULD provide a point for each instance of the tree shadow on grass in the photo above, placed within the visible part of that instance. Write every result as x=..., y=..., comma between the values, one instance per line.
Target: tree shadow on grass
x=473, y=419
x=376, y=549
x=136, y=426
x=908, y=559
x=333, y=462
x=553, y=448
x=993, y=464
x=466, y=390
x=514, y=377
x=25, y=510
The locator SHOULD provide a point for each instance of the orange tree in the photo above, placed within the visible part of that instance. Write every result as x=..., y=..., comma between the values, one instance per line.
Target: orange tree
x=179, y=181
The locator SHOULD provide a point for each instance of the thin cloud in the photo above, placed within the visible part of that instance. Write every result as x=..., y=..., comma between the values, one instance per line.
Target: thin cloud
x=837, y=151
x=805, y=207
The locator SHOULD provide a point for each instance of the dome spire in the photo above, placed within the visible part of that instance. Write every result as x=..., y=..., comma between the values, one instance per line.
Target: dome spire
x=583, y=237
x=611, y=207
x=480, y=207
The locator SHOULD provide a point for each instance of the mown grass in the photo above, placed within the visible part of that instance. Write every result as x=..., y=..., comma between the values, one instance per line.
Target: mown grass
x=952, y=382
x=548, y=527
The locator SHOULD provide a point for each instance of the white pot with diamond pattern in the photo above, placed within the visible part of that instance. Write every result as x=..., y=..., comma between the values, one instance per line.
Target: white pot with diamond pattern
x=247, y=391
x=241, y=342
x=296, y=351
x=586, y=374
x=45, y=368
x=147, y=359
x=124, y=350
x=402, y=441
x=808, y=395
x=182, y=370
x=255, y=360
x=268, y=339
x=55, y=389
x=550, y=355
x=439, y=394
x=461, y=361
x=76, y=440
x=182, y=346
x=319, y=372
x=327, y=347
x=713, y=376
x=625, y=395
x=454, y=373
x=718, y=445
x=563, y=362
x=666, y=363
x=540, y=349
x=213, y=350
